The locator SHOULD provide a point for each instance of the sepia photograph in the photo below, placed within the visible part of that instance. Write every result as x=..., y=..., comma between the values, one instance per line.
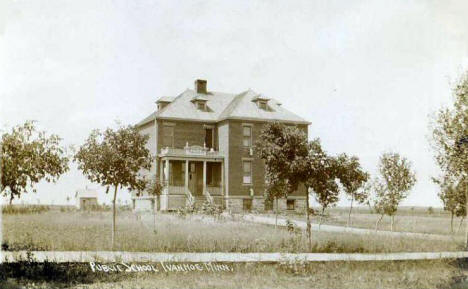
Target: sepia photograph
x=233, y=144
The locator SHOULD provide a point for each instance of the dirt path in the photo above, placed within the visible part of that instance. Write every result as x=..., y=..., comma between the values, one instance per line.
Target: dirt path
x=340, y=229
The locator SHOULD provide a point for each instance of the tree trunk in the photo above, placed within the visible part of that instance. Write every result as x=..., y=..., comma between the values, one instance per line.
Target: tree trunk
x=350, y=210
x=392, y=221
x=321, y=217
x=276, y=213
x=378, y=222
x=154, y=215
x=451, y=223
x=309, y=233
x=466, y=214
x=461, y=222
x=113, y=217
x=11, y=198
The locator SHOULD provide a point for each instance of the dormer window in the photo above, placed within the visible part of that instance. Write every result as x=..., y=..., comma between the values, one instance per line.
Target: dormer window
x=261, y=102
x=200, y=102
x=164, y=101
x=201, y=105
x=262, y=105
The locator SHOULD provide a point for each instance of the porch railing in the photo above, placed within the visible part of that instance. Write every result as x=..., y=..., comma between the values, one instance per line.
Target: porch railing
x=190, y=151
x=216, y=191
x=190, y=198
x=176, y=190
x=209, y=198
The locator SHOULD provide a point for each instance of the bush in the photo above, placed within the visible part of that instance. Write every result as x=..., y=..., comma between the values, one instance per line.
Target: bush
x=211, y=209
x=430, y=210
x=184, y=211
x=24, y=209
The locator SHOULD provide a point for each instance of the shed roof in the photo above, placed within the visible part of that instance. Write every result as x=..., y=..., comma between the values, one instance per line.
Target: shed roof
x=86, y=193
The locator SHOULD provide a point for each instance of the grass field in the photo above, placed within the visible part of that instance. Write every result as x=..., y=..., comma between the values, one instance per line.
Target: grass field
x=76, y=231
x=68, y=229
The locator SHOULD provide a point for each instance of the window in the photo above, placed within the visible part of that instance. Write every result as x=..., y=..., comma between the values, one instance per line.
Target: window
x=168, y=136
x=247, y=133
x=290, y=204
x=262, y=105
x=247, y=172
x=247, y=204
x=268, y=205
x=201, y=105
x=209, y=138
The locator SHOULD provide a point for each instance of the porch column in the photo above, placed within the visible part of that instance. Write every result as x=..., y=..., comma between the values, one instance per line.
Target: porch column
x=186, y=175
x=167, y=172
x=204, y=177
x=161, y=171
x=222, y=178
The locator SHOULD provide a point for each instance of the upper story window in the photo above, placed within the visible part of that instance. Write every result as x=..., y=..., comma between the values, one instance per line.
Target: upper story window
x=168, y=136
x=247, y=135
x=247, y=171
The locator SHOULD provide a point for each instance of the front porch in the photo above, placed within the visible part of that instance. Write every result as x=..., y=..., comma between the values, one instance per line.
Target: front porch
x=190, y=179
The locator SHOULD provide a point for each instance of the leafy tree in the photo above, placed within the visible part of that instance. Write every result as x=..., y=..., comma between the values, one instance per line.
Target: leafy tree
x=450, y=138
x=452, y=195
x=353, y=179
x=396, y=181
x=29, y=156
x=154, y=188
x=322, y=176
x=285, y=152
x=113, y=158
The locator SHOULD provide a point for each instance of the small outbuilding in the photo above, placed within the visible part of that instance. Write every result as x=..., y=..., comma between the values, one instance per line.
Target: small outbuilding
x=86, y=198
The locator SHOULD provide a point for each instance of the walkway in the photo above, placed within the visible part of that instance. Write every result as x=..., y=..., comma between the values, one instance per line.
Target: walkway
x=340, y=229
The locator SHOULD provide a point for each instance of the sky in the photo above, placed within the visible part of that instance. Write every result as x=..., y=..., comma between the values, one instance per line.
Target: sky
x=367, y=74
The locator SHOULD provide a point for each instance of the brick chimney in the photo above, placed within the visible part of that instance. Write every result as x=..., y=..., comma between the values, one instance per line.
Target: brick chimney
x=200, y=86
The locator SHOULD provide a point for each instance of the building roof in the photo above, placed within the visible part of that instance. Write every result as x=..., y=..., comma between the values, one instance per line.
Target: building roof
x=222, y=106
x=86, y=193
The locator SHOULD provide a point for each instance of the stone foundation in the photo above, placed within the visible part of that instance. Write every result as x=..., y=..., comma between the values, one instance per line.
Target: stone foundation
x=234, y=204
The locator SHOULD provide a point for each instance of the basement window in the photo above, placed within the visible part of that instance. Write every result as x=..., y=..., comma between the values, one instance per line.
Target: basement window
x=247, y=204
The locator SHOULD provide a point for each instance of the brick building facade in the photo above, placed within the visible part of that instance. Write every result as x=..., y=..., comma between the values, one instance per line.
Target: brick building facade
x=204, y=147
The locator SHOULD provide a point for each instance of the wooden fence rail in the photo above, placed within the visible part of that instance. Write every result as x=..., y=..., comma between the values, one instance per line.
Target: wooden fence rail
x=115, y=256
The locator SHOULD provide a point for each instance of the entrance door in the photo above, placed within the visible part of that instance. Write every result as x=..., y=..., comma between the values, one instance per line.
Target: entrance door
x=192, y=178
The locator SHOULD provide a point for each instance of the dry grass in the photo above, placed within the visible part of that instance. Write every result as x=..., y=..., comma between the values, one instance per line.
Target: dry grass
x=407, y=274
x=317, y=275
x=76, y=231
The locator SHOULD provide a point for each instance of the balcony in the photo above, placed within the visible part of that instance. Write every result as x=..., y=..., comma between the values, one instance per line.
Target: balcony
x=191, y=152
